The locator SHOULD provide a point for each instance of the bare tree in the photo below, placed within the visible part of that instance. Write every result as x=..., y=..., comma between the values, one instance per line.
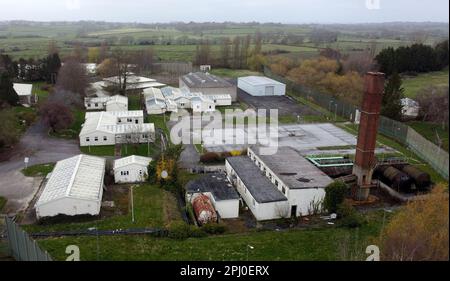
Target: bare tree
x=72, y=77
x=56, y=115
x=433, y=102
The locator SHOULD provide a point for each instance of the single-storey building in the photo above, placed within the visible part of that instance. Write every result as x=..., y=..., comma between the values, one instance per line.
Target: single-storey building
x=111, y=103
x=123, y=117
x=259, y=194
x=131, y=169
x=294, y=176
x=104, y=128
x=220, y=191
x=75, y=187
x=410, y=108
x=261, y=86
x=133, y=82
x=207, y=84
x=24, y=91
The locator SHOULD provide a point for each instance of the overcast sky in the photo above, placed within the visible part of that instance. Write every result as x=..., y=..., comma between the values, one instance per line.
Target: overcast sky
x=286, y=11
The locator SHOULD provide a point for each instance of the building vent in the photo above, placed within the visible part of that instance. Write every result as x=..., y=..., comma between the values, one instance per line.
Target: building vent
x=303, y=180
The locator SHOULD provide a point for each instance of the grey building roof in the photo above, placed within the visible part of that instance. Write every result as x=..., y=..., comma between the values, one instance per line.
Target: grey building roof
x=260, y=187
x=294, y=170
x=205, y=80
x=216, y=183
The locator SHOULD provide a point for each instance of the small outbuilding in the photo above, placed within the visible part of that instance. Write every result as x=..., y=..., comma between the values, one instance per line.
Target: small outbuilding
x=261, y=86
x=410, y=108
x=24, y=91
x=131, y=169
x=219, y=190
x=75, y=187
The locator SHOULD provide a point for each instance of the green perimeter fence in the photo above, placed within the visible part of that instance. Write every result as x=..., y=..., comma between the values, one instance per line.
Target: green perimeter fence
x=435, y=156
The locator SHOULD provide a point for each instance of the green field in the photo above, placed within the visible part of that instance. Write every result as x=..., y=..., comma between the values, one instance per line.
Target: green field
x=325, y=243
x=104, y=150
x=429, y=131
x=150, y=210
x=234, y=73
x=38, y=170
x=414, y=85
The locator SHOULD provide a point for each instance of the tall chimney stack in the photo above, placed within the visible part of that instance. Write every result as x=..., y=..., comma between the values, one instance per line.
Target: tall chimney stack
x=365, y=160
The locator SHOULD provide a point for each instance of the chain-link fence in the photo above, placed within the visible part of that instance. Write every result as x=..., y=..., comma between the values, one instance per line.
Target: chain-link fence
x=22, y=247
x=428, y=151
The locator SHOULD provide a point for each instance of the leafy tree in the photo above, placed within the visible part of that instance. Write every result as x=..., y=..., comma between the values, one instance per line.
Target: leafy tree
x=334, y=196
x=51, y=66
x=225, y=52
x=56, y=115
x=419, y=231
x=7, y=92
x=9, y=132
x=393, y=94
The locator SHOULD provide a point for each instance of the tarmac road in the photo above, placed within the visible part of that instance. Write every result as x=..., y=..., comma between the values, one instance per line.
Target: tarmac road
x=41, y=149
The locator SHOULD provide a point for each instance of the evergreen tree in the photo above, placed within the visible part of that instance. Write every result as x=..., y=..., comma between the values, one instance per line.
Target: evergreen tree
x=393, y=94
x=7, y=92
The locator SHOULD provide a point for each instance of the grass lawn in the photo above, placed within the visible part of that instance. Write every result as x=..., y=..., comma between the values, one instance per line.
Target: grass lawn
x=2, y=203
x=234, y=73
x=429, y=130
x=413, y=85
x=412, y=157
x=158, y=120
x=134, y=102
x=327, y=243
x=142, y=149
x=151, y=205
x=42, y=94
x=38, y=170
x=104, y=150
x=74, y=130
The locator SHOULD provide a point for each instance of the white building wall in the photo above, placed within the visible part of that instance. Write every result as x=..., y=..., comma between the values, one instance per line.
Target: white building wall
x=103, y=138
x=95, y=106
x=131, y=120
x=136, y=173
x=69, y=207
x=116, y=106
x=260, y=90
x=302, y=198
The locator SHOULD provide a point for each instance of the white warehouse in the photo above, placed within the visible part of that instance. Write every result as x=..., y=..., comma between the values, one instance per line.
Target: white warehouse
x=131, y=169
x=75, y=187
x=261, y=86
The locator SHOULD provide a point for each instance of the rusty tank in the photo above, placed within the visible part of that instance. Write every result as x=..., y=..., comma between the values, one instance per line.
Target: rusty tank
x=204, y=210
x=398, y=179
x=421, y=179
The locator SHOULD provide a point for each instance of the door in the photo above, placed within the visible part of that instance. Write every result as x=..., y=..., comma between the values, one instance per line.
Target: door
x=294, y=211
x=270, y=90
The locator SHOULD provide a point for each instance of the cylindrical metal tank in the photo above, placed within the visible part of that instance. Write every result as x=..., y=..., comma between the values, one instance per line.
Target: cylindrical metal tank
x=204, y=210
x=398, y=179
x=421, y=179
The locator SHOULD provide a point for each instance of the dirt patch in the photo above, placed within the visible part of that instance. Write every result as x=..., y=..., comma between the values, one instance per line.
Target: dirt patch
x=171, y=212
x=118, y=194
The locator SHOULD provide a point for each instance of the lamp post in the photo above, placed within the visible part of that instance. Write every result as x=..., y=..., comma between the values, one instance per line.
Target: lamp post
x=249, y=247
x=335, y=111
x=132, y=205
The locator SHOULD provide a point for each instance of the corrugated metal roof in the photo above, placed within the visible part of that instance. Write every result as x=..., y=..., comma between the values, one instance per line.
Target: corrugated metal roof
x=133, y=159
x=118, y=114
x=79, y=177
x=205, y=80
x=259, y=80
x=23, y=89
x=98, y=122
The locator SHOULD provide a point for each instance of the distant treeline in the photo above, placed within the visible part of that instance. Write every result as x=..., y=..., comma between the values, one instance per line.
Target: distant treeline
x=414, y=58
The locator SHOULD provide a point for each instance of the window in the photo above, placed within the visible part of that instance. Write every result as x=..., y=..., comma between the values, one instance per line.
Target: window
x=96, y=104
x=276, y=183
x=145, y=136
x=96, y=139
x=129, y=120
x=284, y=190
x=87, y=139
x=124, y=173
x=210, y=107
x=136, y=121
x=105, y=138
x=120, y=120
x=254, y=202
x=89, y=105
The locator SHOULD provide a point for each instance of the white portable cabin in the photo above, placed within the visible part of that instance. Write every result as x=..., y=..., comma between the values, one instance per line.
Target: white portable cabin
x=24, y=91
x=75, y=187
x=113, y=103
x=131, y=169
x=261, y=86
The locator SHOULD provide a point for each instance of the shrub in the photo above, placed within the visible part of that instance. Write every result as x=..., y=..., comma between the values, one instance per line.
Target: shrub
x=349, y=216
x=179, y=230
x=335, y=194
x=210, y=157
x=213, y=228
x=28, y=117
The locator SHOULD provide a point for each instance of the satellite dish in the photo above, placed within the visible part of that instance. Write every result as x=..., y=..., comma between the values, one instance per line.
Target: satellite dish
x=164, y=174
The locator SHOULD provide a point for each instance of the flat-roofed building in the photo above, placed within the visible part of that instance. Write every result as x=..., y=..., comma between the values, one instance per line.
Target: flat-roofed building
x=261, y=86
x=207, y=84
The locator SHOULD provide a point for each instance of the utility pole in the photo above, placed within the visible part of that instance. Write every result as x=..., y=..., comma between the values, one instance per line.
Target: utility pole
x=132, y=204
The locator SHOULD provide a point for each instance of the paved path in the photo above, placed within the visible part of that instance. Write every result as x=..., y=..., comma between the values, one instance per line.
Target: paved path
x=40, y=148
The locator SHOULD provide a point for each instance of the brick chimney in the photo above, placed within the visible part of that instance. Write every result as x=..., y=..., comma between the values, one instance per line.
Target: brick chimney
x=365, y=160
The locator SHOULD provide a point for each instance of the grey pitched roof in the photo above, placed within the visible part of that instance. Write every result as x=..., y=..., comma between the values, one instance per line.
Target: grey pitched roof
x=216, y=183
x=205, y=80
x=260, y=187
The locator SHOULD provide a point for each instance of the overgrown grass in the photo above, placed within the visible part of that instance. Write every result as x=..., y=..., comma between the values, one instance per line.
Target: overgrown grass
x=148, y=212
x=2, y=203
x=429, y=130
x=160, y=121
x=234, y=73
x=104, y=150
x=143, y=149
x=414, y=85
x=323, y=244
x=40, y=170
x=134, y=102
x=73, y=131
